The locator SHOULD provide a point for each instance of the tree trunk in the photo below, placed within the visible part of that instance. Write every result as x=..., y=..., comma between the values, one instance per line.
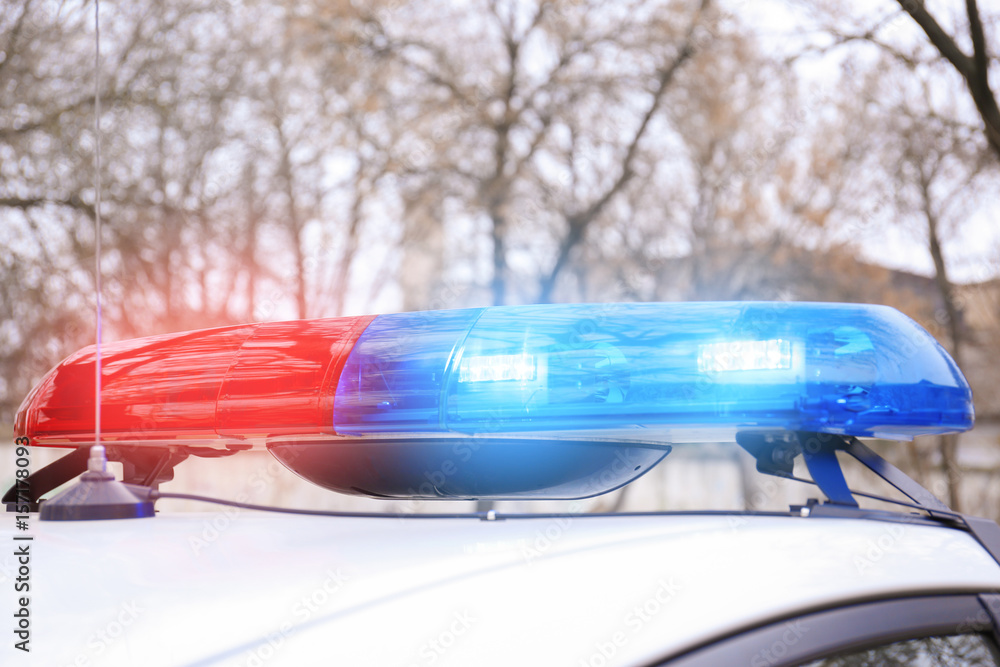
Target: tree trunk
x=947, y=444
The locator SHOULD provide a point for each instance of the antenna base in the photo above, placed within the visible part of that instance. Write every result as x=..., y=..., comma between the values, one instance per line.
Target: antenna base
x=98, y=495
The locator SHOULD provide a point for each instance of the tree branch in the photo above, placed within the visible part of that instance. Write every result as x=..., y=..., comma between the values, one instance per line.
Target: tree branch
x=578, y=223
x=941, y=40
x=973, y=69
x=73, y=202
x=980, y=58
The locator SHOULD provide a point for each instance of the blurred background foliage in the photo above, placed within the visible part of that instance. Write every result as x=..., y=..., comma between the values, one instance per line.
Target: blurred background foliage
x=265, y=159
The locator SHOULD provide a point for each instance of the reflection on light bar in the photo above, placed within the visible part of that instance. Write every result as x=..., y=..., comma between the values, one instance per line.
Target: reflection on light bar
x=666, y=372
x=652, y=372
x=745, y=355
x=566, y=400
x=497, y=368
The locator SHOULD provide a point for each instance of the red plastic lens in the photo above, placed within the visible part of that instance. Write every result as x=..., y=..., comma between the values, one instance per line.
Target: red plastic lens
x=209, y=388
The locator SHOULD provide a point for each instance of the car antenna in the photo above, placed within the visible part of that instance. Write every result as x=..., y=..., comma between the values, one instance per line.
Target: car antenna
x=97, y=220
x=98, y=495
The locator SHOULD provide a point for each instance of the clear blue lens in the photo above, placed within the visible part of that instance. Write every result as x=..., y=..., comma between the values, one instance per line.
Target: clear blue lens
x=669, y=372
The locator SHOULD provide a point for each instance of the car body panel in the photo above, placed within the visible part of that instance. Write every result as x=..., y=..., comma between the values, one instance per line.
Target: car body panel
x=243, y=588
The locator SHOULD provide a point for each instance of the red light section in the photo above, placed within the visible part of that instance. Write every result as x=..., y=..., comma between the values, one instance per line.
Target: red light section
x=285, y=377
x=206, y=388
x=164, y=387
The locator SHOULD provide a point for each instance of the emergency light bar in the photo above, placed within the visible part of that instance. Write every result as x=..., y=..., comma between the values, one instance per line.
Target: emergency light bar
x=386, y=405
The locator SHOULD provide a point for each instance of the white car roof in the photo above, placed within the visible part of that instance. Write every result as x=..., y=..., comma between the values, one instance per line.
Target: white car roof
x=243, y=588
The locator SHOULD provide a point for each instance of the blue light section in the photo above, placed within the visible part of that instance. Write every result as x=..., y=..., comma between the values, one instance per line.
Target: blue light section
x=671, y=372
x=745, y=355
x=395, y=377
x=497, y=368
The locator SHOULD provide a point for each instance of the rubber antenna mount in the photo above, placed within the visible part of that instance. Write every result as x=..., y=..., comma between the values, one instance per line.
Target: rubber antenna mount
x=98, y=495
x=142, y=466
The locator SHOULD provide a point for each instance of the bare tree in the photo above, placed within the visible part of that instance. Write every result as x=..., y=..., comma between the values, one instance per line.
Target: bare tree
x=974, y=68
x=578, y=221
x=539, y=109
x=928, y=158
x=46, y=193
x=949, y=48
x=924, y=173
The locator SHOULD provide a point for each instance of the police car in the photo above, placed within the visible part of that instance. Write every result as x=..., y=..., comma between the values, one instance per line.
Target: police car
x=527, y=402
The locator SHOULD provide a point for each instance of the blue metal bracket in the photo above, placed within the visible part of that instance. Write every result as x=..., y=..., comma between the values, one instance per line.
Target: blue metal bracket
x=820, y=454
x=893, y=475
x=775, y=452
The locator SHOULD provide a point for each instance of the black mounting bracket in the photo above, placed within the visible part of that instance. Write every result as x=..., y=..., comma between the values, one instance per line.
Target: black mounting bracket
x=142, y=466
x=775, y=454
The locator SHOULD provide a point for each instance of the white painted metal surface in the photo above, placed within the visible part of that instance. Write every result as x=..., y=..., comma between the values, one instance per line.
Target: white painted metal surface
x=240, y=588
